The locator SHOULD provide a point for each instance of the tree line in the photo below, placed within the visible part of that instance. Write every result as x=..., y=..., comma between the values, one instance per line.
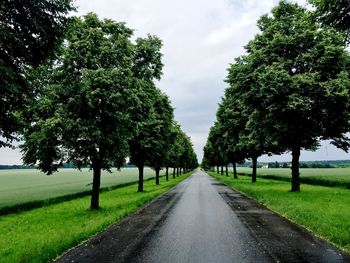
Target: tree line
x=289, y=91
x=78, y=90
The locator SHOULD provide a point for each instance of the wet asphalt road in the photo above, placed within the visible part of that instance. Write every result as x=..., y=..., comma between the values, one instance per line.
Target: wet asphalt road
x=201, y=220
x=201, y=227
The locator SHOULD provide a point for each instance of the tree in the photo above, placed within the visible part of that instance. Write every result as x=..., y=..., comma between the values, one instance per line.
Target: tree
x=208, y=156
x=212, y=150
x=335, y=13
x=171, y=157
x=140, y=143
x=188, y=159
x=176, y=149
x=30, y=32
x=147, y=67
x=247, y=118
x=192, y=160
x=161, y=139
x=232, y=122
x=83, y=113
x=301, y=84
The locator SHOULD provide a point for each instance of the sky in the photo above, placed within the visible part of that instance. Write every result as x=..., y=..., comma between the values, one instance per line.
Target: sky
x=200, y=40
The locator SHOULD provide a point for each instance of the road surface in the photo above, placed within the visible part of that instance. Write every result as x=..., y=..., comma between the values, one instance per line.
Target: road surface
x=202, y=220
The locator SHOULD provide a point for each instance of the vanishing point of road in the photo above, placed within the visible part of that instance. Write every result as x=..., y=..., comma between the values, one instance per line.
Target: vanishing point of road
x=202, y=220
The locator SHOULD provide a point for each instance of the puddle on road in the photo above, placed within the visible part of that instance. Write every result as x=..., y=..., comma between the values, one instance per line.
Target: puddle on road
x=221, y=184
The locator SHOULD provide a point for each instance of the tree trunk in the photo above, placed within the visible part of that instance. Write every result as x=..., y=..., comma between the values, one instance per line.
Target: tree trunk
x=226, y=170
x=140, y=188
x=96, y=186
x=181, y=170
x=235, y=171
x=157, y=175
x=174, y=172
x=177, y=171
x=217, y=169
x=167, y=173
x=295, y=169
x=222, y=170
x=255, y=160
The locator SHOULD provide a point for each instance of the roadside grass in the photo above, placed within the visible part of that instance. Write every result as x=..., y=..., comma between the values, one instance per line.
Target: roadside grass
x=334, y=177
x=42, y=234
x=28, y=187
x=322, y=210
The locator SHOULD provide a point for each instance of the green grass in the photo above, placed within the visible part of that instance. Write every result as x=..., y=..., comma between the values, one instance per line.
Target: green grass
x=23, y=186
x=339, y=177
x=40, y=235
x=323, y=210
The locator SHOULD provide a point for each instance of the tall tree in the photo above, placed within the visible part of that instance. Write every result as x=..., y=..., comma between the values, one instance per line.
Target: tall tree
x=215, y=140
x=139, y=143
x=176, y=149
x=208, y=156
x=30, y=32
x=232, y=121
x=161, y=137
x=301, y=90
x=83, y=113
x=170, y=158
x=188, y=157
x=251, y=141
x=147, y=68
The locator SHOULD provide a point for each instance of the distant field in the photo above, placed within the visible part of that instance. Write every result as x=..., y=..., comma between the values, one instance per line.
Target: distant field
x=22, y=186
x=319, y=176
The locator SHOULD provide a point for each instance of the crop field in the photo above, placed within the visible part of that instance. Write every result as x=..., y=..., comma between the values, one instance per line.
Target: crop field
x=22, y=186
x=319, y=176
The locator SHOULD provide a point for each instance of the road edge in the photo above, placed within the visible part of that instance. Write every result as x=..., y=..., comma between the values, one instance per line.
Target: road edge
x=311, y=236
x=117, y=232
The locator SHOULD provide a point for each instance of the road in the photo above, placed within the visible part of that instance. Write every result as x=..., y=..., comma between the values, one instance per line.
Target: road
x=202, y=220
x=201, y=228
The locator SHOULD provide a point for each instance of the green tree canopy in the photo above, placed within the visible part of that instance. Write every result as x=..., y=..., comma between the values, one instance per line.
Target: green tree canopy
x=232, y=122
x=300, y=82
x=212, y=149
x=159, y=129
x=188, y=158
x=335, y=13
x=30, y=32
x=287, y=93
x=176, y=149
x=83, y=114
x=155, y=115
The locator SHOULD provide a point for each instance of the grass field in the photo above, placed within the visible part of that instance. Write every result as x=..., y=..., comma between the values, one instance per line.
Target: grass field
x=319, y=176
x=323, y=210
x=41, y=234
x=22, y=186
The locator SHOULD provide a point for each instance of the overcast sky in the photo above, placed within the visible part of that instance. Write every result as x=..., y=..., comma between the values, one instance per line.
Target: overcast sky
x=201, y=39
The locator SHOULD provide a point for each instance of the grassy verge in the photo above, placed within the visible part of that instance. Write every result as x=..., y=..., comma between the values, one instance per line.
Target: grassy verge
x=333, y=177
x=323, y=210
x=42, y=234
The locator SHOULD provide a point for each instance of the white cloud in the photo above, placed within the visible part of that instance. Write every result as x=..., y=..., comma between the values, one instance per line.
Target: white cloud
x=10, y=156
